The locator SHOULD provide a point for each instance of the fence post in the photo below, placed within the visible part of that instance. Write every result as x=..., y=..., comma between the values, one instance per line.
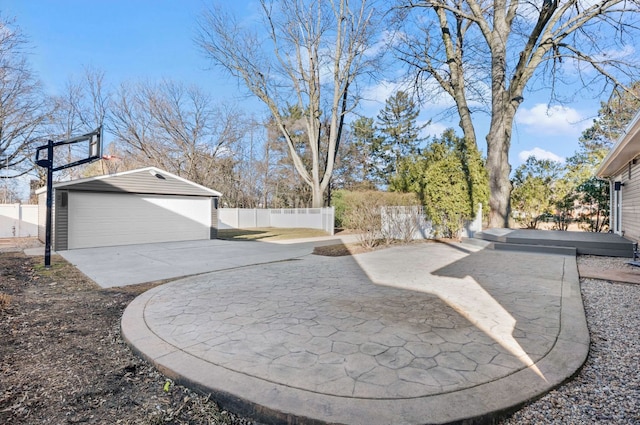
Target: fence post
x=19, y=230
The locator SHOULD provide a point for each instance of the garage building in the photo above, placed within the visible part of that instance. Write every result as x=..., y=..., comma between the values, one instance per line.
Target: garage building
x=147, y=205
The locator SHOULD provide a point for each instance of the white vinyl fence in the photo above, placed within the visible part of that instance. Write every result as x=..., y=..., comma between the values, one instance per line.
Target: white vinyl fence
x=247, y=218
x=406, y=223
x=18, y=221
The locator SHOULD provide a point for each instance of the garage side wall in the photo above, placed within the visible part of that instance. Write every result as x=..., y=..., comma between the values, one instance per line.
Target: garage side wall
x=61, y=220
x=59, y=216
x=213, y=234
x=42, y=216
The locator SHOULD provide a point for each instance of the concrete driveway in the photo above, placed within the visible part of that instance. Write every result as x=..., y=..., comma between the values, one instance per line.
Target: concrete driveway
x=423, y=333
x=133, y=264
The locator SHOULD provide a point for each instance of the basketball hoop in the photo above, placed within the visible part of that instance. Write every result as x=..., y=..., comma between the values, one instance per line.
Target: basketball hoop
x=87, y=147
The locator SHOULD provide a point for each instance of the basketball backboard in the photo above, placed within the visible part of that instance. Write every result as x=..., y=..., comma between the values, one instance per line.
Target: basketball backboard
x=71, y=152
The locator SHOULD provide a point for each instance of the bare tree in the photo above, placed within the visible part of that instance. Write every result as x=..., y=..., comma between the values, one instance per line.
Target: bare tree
x=488, y=52
x=82, y=108
x=176, y=128
x=24, y=109
x=317, y=49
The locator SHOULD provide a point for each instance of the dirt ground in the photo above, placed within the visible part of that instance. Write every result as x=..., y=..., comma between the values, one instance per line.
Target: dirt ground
x=63, y=361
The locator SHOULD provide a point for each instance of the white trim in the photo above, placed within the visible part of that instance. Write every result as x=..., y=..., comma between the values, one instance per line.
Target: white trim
x=123, y=173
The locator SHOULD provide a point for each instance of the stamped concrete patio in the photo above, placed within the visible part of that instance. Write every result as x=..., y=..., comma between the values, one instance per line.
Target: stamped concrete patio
x=424, y=333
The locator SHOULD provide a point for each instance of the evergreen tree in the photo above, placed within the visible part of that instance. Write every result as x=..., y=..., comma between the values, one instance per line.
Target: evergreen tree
x=449, y=178
x=399, y=135
x=365, y=137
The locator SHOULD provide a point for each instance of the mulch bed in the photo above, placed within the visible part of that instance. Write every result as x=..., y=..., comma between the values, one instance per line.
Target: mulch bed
x=62, y=358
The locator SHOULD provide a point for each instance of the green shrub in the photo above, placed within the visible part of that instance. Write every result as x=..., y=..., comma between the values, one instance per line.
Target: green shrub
x=338, y=203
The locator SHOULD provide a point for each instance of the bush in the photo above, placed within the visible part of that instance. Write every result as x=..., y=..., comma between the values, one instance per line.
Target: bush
x=339, y=205
x=361, y=211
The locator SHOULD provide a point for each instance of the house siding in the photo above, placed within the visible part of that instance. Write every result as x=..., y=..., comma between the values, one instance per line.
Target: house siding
x=61, y=220
x=630, y=177
x=57, y=217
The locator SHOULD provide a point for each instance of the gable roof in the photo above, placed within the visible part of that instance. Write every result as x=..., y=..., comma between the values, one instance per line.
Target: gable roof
x=149, y=180
x=626, y=148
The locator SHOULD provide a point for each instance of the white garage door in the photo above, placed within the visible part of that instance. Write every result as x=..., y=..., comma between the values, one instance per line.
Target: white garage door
x=108, y=219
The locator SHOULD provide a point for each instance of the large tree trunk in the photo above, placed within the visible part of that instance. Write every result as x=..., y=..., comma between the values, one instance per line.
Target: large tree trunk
x=499, y=183
x=317, y=196
x=502, y=114
x=498, y=143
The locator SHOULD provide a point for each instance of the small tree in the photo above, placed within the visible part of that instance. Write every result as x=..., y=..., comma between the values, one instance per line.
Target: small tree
x=595, y=196
x=399, y=135
x=533, y=193
x=449, y=179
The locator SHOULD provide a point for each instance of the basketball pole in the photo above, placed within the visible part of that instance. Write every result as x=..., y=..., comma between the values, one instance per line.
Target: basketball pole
x=95, y=153
x=47, y=243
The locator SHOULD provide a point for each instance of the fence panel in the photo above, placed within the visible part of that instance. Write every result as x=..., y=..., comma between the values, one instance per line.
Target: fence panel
x=17, y=220
x=411, y=223
x=405, y=223
x=228, y=218
x=247, y=218
x=263, y=218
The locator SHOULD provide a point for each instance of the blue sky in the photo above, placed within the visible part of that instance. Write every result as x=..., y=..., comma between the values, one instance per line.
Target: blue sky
x=152, y=39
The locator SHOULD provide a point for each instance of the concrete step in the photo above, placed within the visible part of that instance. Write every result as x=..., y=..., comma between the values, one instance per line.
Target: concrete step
x=545, y=249
x=497, y=235
x=583, y=243
x=482, y=243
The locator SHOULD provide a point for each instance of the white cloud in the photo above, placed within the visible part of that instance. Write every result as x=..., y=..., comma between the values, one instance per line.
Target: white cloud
x=540, y=154
x=433, y=129
x=375, y=96
x=554, y=120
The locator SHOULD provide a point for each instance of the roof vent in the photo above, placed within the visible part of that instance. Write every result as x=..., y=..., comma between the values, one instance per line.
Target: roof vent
x=155, y=174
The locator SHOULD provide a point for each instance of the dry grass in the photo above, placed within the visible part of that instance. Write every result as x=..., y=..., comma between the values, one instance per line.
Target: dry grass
x=5, y=300
x=269, y=234
x=339, y=250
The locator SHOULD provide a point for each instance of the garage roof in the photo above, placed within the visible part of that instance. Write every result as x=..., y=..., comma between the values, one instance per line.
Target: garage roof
x=150, y=180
